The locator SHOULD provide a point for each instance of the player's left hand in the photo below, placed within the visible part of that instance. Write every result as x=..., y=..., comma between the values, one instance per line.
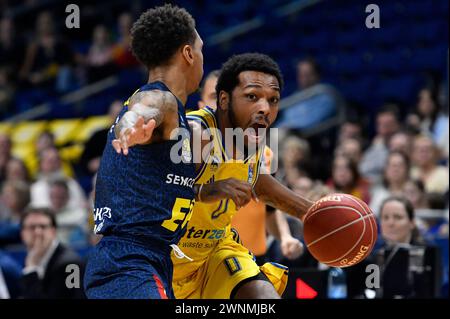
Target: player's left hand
x=134, y=131
x=291, y=247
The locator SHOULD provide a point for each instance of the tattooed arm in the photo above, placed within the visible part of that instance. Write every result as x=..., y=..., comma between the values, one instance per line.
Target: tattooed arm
x=151, y=117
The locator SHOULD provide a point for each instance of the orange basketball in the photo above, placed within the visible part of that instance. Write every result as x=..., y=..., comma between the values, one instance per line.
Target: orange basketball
x=340, y=230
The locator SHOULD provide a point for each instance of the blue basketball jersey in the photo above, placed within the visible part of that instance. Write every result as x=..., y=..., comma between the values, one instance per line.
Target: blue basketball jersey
x=147, y=195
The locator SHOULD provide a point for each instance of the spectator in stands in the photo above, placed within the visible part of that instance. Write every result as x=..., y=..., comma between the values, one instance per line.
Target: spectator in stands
x=428, y=119
x=15, y=197
x=6, y=92
x=425, y=157
x=44, y=275
x=315, y=111
x=397, y=222
x=414, y=191
x=374, y=158
x=5, y=154
x=16, y=170
x=303, y=186
x=401, y=142
x=50, y=168
x=11, y=48
x=398, y=229
x=122, y=55
x=10, y=273
x=45, y=140
x=11, y=55
x=72, y=222
x=93, y=149
x=395, y=176
x=314, y=104
x=350, y=129
x=208, y=96
x=99, y=60
x=398, y=234
x=350, y=147
x=346, y=179
x=295, y=160
x=48, y=58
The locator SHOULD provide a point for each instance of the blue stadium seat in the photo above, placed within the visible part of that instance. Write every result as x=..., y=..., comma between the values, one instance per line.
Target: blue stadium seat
x=318, y=41
x=346, y=63
x=387, y=35
x=351, y=39
x=420, y=9
x=387, y=61
x=434, y=58
x=402, y=88
x=428, y=32
x=359, y=88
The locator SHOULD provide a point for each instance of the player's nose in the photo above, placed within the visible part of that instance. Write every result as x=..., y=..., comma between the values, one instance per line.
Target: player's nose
x=264, y=107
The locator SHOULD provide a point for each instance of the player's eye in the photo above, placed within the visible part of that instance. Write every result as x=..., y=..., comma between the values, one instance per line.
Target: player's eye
x=274, y=100
x=251, y=96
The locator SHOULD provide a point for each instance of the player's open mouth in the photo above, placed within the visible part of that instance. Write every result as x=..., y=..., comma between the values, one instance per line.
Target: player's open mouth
x=257, y=132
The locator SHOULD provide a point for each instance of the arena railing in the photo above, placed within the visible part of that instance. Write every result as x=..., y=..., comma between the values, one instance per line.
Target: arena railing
x=70, y=98
x=247, y=26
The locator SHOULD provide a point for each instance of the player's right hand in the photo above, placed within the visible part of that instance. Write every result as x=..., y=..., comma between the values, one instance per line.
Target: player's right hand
x=139, y=133
x=240, y=192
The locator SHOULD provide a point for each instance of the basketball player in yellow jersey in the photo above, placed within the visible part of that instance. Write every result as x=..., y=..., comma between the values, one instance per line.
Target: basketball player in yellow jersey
x=218, y=266
x=253, y=220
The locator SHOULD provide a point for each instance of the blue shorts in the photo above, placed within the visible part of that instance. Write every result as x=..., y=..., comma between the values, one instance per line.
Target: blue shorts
x=121, y=269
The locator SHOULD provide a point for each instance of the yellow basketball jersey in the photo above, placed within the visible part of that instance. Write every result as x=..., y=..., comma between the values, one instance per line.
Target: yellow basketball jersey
x=211, y=222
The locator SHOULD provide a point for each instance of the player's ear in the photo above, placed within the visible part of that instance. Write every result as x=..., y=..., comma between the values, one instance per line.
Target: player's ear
x=188, y=54
x=224, y=100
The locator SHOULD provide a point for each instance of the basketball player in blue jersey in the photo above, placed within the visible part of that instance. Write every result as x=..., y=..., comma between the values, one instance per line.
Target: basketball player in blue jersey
x=144, y=200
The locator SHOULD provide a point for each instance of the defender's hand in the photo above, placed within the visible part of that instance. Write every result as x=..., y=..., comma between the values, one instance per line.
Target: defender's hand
x=138, y=133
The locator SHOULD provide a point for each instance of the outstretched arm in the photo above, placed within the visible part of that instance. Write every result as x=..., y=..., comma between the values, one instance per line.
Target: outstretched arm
x=277, y=226
x=147, y=111
x=279, y=196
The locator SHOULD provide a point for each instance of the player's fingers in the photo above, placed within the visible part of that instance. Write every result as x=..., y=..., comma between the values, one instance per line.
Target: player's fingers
x=254, y=196
x=148, y=128
x=244, y=198
x=140, y=122
x=124, y=139
x=244, y=187
x=237, y=197
x=116, y=145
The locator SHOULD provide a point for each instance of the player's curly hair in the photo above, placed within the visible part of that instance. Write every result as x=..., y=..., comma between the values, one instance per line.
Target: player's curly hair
x=159, y=32
x=229, y=74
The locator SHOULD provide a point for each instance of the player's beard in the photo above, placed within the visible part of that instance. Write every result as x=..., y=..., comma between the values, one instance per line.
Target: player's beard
x=233, y=121
x=231, y=115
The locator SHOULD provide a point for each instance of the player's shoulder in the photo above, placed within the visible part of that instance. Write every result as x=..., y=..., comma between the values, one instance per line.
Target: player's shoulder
x=202, y=118
x=154, y=98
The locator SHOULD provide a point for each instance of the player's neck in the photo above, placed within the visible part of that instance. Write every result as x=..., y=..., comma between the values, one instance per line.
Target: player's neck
x=233, y=152
x=170, y=76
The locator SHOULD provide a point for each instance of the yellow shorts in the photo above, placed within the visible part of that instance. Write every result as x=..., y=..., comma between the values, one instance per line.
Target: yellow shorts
x=229, y=264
